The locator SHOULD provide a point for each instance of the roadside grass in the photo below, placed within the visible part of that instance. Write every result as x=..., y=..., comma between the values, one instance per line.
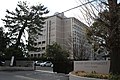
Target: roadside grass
x=93, y=74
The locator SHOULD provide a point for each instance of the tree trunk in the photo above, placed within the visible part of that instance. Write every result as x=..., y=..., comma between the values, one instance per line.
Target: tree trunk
x=114, y=39
x=20, y=34
x=115, y=60
x=18, y=41
x=115, y=53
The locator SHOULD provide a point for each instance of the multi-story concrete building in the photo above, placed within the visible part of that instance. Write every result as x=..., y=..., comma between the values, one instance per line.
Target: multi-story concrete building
x=70, y=33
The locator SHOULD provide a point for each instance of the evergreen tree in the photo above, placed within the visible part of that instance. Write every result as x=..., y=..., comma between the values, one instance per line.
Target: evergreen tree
x=25, y=19
x=4, y=40
x=56, y=53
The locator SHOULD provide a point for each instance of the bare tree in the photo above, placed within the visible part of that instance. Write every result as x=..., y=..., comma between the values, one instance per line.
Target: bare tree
x=78, y=50
x=106, y=15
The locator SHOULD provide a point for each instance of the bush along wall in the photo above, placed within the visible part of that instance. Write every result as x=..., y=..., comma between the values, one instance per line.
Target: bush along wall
x=63, y=66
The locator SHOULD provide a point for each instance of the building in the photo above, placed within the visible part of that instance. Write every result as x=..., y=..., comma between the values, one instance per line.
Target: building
x=70, y=33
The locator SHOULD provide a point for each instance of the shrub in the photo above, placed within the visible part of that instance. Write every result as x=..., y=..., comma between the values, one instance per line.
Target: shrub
x=114, y=77
x=93, y=74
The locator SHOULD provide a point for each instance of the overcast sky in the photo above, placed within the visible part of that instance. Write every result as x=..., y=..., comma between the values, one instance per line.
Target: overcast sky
x=52, y=5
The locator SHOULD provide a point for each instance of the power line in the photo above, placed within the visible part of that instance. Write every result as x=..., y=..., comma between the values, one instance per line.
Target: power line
x=78, y=6
x=74, y=7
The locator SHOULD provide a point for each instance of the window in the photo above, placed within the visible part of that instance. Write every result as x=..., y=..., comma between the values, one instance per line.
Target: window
x=38, y=55
x=43, y=42
x=35, y=55
x=31, y=55
x=43, y=48
x=39, y=42
x=35, y=44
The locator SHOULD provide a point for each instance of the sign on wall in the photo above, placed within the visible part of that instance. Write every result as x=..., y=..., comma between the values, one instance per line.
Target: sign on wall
x=89, y=66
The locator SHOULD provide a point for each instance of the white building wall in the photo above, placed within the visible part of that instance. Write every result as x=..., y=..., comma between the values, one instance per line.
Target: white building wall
x=60, y=29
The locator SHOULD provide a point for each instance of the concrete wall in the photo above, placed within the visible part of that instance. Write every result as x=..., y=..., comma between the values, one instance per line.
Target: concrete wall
x=89, y=66
x=20, y=66
x=20, y=63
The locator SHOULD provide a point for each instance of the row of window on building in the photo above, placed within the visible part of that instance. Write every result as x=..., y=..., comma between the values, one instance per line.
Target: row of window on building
x=36, y=55
x=39, y=43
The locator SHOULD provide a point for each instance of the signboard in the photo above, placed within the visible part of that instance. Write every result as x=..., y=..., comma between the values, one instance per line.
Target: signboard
x=89, y=66
x=12, y=60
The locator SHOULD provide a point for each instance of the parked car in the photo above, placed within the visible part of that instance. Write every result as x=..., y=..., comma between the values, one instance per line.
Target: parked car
x=2, y=63
x=47, y=64
x=37, y=63
x=51, y=66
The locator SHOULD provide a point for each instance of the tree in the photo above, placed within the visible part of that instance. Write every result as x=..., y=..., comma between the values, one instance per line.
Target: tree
x=4, y=40
x=98, y=35
x=77, y=50
x=114, y=38
x=19, y=54
x=25, y=19
x=110, y=20
x=60, y=58
x=55, y=52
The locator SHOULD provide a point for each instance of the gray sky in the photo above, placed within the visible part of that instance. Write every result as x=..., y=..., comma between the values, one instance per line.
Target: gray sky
x=52, y=5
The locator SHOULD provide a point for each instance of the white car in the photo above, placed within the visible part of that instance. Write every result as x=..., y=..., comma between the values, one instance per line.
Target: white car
x=47, y=63
x=37, y=63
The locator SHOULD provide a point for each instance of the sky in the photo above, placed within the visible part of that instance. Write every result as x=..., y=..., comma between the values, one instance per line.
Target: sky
x=52, y=5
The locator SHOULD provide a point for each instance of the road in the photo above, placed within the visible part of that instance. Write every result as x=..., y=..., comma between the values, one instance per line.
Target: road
x=32, y=75
x=44, y=68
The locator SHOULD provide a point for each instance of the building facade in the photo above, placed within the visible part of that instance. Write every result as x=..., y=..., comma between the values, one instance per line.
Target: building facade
x=70, y=33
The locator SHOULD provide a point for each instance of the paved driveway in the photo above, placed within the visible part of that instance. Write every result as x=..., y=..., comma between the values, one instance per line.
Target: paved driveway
x=31, y=75
x=44, y=68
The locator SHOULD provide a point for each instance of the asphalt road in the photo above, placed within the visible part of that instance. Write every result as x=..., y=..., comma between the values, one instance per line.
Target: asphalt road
x=32, y=75
x=44, y=68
